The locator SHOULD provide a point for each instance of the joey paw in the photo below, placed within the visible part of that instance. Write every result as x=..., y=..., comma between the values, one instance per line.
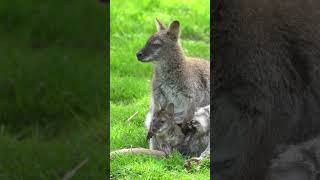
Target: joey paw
x=149, y=135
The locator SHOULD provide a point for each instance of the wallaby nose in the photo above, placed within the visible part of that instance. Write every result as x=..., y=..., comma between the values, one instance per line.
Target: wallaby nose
x=139, y=55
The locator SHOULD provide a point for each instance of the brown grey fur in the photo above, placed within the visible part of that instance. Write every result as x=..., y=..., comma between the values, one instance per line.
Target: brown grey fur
x=296, y=162
x=182, y=80
x=166, y=133
x=197, y=140
x=191, y=139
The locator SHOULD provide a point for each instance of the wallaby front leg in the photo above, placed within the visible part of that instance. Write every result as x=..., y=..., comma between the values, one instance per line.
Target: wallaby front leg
x=148, y=119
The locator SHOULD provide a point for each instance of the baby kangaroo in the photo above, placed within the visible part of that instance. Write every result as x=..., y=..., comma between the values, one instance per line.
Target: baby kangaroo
x=191, y=139
x=164, y=130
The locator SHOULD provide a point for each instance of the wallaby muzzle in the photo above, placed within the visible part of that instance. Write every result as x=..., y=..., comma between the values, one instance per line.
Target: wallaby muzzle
x=139, y=55
x=143, y=55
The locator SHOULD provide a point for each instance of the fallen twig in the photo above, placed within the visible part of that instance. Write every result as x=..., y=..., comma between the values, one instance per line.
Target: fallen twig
x=132, y=116
x=138, y=151
x=71, y=173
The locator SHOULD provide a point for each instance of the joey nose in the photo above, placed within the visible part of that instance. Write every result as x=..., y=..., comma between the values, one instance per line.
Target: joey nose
x=139, y=55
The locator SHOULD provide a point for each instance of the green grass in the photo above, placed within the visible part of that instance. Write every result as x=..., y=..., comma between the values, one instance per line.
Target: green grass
x=132, y=23
x=53, y=90
x=44, y=22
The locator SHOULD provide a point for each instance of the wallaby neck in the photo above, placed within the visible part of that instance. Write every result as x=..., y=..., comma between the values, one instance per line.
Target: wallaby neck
x=171, y=63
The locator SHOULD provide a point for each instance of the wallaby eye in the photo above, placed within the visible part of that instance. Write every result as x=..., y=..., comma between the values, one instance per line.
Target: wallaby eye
x=156, y=45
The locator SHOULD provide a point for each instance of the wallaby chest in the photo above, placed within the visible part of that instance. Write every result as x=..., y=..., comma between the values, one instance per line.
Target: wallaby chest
x=172, y=91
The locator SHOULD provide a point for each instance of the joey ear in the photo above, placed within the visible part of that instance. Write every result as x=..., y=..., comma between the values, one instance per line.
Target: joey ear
x=174, y=30
x=159, y=25
x=170, y=108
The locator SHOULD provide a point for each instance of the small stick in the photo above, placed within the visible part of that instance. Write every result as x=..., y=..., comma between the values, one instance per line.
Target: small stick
x=138, y=151
x=132, y=116
x=71, y=173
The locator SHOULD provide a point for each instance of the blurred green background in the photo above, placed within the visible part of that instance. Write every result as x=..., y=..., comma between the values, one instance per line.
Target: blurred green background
x=53, y=88
x=132, y=22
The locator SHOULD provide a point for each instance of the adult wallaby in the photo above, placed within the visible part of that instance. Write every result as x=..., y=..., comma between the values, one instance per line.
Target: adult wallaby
x=182, y=80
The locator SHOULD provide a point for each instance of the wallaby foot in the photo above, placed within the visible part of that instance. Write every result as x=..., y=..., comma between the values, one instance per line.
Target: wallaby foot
x=187, y=163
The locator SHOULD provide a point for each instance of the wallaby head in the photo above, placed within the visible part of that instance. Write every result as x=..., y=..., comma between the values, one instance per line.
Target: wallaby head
x=163, y=119
x=160, y=43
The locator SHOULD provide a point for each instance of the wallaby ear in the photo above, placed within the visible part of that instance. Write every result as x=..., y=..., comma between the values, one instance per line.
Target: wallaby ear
x=174, y=30
x=170, y=108
x=159, y=25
